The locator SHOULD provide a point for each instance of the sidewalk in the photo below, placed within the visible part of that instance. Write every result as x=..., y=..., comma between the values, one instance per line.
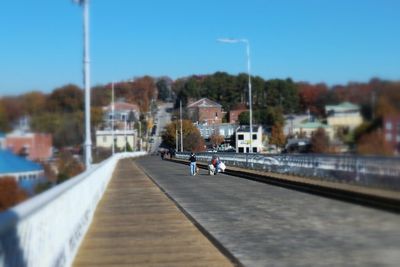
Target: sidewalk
x=135, y=224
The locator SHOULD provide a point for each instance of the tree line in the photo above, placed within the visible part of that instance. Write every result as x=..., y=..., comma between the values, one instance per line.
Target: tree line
x=61, y=112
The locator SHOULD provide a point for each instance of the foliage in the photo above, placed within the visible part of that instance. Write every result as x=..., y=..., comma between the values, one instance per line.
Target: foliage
x=41, y=187
x=277, y=137
x=244, y=118
x=10, y=193
x=374, y=144
x=216, y=139
x=192, y=140
x=4, y=122
x=229, y=90
x=66, y=99
x=68, y=166
x=320, y=141
x=164, y=90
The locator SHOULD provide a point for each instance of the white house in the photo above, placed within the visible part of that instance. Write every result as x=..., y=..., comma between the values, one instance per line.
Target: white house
x=308, y=128
x=344, y=115
x=243, y=139
x=124, y=113
x=104, y=138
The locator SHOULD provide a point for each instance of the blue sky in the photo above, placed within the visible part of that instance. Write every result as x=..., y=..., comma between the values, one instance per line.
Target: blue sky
x=332, y=41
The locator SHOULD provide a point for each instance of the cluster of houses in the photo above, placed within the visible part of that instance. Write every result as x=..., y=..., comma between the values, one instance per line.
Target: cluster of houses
x=341, y=119
x=20, y=152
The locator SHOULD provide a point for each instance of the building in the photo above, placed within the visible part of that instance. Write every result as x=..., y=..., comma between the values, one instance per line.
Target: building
x=307, y=129
x=243, y=139
x=123, y=113
x=391, y=130
x=18, y=167
x=35, y=146
x=345, y=116
x=234, y=114
x=205, y=111
x=224, y=129
x=104, y=139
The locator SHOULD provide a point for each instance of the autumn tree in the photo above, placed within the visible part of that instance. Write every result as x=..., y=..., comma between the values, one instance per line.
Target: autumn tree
x=34, y=103
x=65, y=99
x=216, y=139
x=10, y=193
x=312, y=97
x=192, y=140
x=4, y=122
x=277, y=136
x=319, y=141
x=68, y=166
x=374, y=143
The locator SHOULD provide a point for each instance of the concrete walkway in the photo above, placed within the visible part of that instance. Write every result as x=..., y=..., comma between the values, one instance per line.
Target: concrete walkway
x=135, y=224
x=265, y=225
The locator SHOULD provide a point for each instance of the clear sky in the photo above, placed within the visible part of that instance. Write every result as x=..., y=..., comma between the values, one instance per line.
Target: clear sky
x=332, y=41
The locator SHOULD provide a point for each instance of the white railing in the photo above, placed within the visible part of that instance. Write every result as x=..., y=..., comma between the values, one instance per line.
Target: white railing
x=48, y=229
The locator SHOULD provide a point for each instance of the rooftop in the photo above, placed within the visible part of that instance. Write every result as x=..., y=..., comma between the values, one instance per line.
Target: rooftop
x=11, y=163
x=204, y=103
x=342, y=106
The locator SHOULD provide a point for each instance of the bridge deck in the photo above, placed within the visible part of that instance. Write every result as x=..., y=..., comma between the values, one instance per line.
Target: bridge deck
x=135, y=224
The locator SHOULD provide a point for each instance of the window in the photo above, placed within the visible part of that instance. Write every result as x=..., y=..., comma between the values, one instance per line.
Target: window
x=254, y=150
x=388, y=137
x=388, y=125
x=398, y=138
x=254, y=136
x=241, y=150
x=240, y=137
x=247, y=150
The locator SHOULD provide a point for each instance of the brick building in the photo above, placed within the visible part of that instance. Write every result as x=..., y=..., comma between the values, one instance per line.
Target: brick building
x=234, y=115
x=205, y=111
x=391, y=130
x=35, y=146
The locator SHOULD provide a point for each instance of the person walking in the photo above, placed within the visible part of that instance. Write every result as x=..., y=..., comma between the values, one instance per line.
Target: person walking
x=192, y=160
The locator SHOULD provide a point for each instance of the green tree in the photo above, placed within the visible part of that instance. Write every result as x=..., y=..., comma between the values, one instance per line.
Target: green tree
x=163, y=89
x=244, y=118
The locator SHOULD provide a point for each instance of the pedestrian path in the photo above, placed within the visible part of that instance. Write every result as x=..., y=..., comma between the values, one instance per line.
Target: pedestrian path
x=136, y=224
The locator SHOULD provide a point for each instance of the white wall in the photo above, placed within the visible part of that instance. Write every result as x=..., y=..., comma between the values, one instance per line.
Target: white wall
x=48, y=229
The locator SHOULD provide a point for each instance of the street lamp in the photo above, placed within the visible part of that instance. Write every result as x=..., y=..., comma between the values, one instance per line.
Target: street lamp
x=233, y=41
x=86, y=80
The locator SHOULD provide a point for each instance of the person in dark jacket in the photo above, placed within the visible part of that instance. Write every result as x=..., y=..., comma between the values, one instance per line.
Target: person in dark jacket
x=192, y=160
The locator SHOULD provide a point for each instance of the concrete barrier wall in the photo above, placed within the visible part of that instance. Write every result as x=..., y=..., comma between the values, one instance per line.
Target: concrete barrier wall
x=48, y=229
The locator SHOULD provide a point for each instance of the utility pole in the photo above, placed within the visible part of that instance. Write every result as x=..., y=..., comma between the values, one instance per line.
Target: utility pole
x=112, y=118
x=181, y=126
x=86, y=80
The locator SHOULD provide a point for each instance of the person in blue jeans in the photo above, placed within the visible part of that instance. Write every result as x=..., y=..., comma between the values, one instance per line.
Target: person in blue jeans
x=192, y=160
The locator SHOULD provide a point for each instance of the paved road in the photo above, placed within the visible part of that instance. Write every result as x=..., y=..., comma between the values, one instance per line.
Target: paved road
x=264, y=225
x=163, y=118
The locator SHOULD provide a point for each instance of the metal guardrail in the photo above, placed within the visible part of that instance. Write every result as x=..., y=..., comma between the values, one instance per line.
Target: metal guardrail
x=374, y=171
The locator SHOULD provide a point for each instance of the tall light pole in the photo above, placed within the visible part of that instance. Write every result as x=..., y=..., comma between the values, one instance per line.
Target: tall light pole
x=86, y=80
x=113, y=116
x=232, y=41
x=181, y=126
